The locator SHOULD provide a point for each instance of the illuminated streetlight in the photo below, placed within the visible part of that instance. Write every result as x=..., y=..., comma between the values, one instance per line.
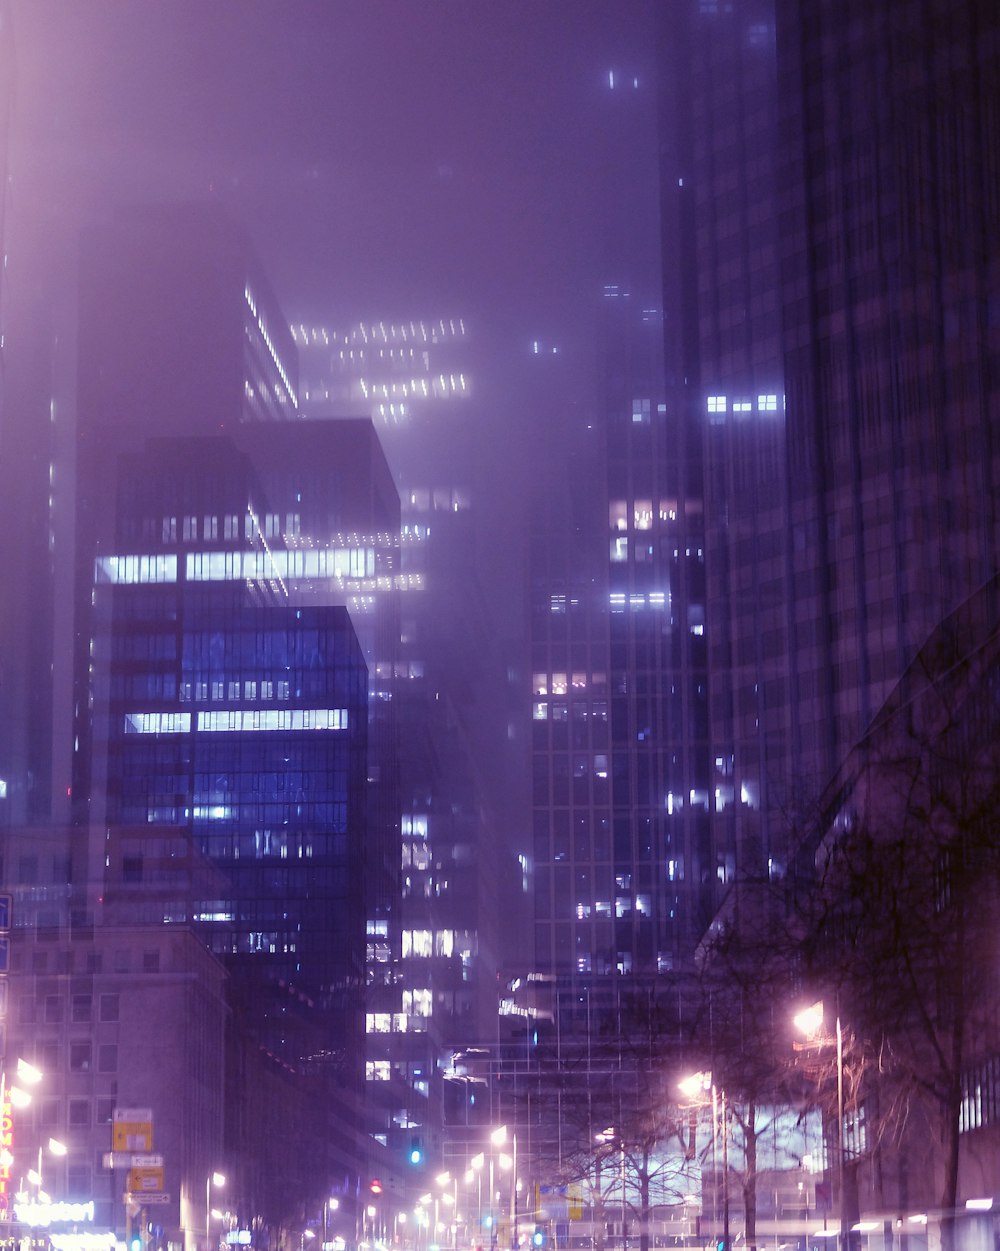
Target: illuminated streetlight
x=694, y=1087
x=810, y=1022
x=218, y=1180
x=331, y=1205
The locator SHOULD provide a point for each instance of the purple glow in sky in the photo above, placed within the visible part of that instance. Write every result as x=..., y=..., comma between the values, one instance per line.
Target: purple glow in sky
x=387, y=156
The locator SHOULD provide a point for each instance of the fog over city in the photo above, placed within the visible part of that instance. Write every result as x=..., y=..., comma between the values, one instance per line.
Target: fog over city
x=500, y=648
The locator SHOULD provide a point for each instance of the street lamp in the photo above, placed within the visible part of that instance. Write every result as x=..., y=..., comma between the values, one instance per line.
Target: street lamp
x=693, y=1087
x=476, y=1164
x=55, y=1148
x=609, y=1136
x=331, y=1205
x=498, y=1138
x=810, y=1022
x=213, y=1179
x=450, y=1199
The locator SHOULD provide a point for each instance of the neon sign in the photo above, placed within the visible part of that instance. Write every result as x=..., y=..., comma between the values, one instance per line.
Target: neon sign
x=49, y=1213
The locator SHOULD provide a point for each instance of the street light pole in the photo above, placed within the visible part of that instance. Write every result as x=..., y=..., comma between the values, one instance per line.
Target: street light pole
x=725, y=1170
x=845, y=1237
x=213, y=1179
x=513, y=1194
x=691, y=1086
x=810, y=1021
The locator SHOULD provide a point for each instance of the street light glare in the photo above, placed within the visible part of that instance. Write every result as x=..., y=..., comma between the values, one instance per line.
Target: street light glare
x=695, y=1085
x=28, y=1072
x=499, y=1136
x=810, y=1020
x=57, y=1147
x=18, y=1097
x=218, y=1179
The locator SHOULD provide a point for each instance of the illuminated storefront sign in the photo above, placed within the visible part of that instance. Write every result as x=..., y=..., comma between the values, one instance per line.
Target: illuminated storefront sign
x=83, y=1242
x=6, y=1153
x=54, y=1213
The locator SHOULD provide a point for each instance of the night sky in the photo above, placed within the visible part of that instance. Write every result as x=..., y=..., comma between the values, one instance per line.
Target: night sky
x=389, y=157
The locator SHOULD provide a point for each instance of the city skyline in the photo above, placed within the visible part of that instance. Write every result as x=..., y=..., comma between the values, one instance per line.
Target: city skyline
x=479, y=484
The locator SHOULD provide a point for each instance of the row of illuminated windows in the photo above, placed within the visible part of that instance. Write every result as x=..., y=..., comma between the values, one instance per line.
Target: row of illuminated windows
x=337, y=562
x=980, y=1095
x=542, y=710
x=341, y=562
x=262, y=328
x=560, y=683
x=416, y=856
x=623, y=906
x=237, y=720
x=642, y=513
x=416, y=1003
x=135, y=569
x=765, y=404
x=232, y=690
x=618, y=601
x=587, y=963
x=446, y=943
x=413, y=825
x=438, y=499
x=619, y=550
x=209, y=528
x=558, y=603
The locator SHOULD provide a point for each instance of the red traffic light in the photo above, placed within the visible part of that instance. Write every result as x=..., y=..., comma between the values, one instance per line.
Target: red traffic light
x=375, y=1186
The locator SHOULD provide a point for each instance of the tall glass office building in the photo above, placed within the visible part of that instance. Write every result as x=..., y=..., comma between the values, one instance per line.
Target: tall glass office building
x=224, y=710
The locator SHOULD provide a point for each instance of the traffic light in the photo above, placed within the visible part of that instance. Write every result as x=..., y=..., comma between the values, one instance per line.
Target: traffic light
x=538, y=1237
x=375, y=1186
x=416, y=1155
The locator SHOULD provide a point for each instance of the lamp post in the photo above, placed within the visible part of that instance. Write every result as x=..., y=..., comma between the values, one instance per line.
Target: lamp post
x=692, y=1086
x=55, y=1148
x=476, y=1163
x=810, y=1022
x=498, y=1138
x=331, y=1205
x=450, y=1200
x=213, y=1179
x=609, y=1135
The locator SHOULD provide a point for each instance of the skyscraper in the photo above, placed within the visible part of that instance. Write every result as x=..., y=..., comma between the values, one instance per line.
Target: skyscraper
x=812, y=486
x=433, y=976
x=235, y=640
x=841, y=247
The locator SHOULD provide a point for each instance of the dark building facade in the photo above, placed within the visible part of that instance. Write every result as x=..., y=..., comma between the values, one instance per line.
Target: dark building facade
x=236, y=573
x=237, y=716
x=621, y=781
x=829, y=188
x=806, y=490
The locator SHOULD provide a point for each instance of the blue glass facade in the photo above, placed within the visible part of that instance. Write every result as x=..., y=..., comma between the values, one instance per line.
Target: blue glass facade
x=236, y=716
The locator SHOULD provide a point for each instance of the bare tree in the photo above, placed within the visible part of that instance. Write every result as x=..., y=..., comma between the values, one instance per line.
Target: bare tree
x=905, y=910
x=750, y=972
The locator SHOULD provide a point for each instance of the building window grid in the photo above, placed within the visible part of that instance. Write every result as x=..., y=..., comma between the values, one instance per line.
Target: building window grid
x=980, y=1095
